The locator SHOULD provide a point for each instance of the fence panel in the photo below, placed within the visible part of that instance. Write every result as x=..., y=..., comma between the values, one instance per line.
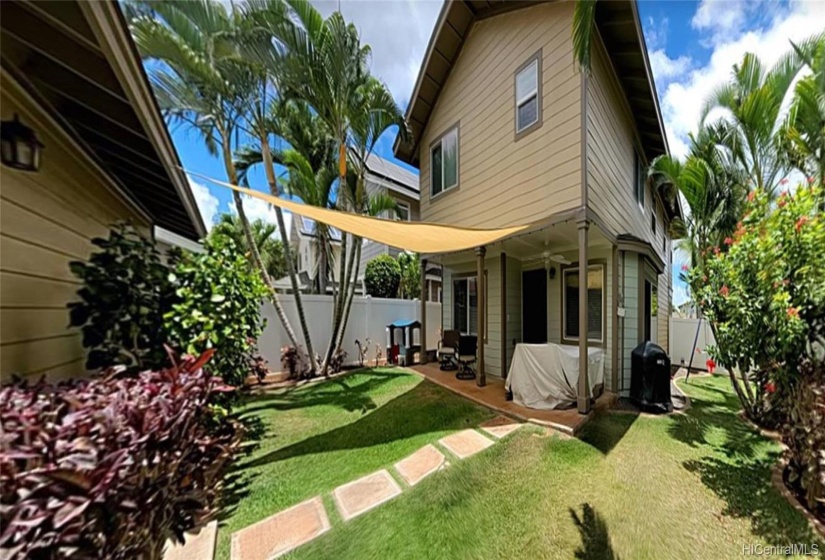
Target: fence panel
x=682, y=335
x=368, y=318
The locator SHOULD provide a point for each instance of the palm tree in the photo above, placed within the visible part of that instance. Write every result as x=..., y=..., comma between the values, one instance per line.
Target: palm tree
x=270, y=249
x=803, y=132
x=752, y=103
x=201, y=81
x=584, y=25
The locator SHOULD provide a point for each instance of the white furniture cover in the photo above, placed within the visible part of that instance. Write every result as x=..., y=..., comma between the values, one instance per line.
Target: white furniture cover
x=545, y=376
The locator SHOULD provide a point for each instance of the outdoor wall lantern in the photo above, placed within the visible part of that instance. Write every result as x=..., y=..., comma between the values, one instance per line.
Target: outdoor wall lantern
x=551, y=272
x=19, y=146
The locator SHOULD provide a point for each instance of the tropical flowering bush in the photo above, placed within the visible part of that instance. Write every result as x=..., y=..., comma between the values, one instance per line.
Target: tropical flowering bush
x=763, y=292
x=111, y=467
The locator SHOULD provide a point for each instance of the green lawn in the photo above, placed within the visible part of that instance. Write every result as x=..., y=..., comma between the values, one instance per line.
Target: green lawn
x=317, y=437
x=684, y=486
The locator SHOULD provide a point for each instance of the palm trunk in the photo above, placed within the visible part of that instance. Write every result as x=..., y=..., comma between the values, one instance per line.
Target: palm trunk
x=232, y=175
x=293, y=276
x=338, y=303
x=353, y=284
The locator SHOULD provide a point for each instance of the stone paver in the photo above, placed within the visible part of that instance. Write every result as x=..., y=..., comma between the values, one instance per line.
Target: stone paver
x=500, y=426
x=278, y=534
x=420, y=464
x=200, y=544
x=362, y=495
x=465, y=443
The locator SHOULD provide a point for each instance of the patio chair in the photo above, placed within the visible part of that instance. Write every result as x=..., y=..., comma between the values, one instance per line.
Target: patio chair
x=466, y=358
x=448, y=350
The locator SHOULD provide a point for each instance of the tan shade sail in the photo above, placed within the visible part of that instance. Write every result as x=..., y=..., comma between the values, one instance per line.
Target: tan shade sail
x=419, y=237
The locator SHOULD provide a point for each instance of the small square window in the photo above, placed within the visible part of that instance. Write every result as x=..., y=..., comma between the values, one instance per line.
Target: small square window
x=402, y=212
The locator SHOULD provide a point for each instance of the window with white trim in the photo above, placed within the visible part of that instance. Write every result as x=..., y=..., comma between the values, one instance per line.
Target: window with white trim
x=595, y=303
x=444, y=163
x=465, y=305
x=527, y=96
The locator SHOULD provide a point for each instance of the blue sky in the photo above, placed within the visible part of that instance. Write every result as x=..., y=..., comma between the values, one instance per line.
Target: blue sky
x=692, y=46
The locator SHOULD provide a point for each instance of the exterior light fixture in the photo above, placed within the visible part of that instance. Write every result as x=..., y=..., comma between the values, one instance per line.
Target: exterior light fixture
x=19, y=146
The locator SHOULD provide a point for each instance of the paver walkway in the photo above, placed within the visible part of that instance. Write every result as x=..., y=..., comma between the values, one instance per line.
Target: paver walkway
x=363, y=494
x=282, y=532
x=420, y=464
x=465, y=443
x=200, y=544
x=500, y=426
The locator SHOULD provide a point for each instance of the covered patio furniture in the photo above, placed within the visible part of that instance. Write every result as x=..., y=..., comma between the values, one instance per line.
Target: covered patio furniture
x=448, y=350
x=545, y=376
x=466, y=358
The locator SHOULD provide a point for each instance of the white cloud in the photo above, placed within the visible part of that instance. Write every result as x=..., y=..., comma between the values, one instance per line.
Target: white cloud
x=257, y=209
x=398, y=36
x=207, y=202
x=665, y=68
x=682, y=99
x=720, y=16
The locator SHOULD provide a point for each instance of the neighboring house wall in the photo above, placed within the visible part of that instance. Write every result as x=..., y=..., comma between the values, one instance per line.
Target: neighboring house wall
x=48, y=220
x=612, y=148
x=502, y=181
x=371, y=249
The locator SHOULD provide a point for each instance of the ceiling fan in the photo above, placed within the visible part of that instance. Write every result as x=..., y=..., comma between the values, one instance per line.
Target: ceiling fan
x=547, y=257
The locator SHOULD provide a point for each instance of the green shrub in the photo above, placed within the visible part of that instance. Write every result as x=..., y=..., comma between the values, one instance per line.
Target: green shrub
x=126, y=289
x=763, y=292
x=382, y=277
x=218, y=305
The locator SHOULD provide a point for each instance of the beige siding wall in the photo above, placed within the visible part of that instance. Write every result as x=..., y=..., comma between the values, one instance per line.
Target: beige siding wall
x=501, y=181
x=611, y=161
x=46, y=221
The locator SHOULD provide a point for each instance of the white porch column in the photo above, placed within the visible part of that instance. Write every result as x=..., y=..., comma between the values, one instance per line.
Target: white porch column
x=583, y=400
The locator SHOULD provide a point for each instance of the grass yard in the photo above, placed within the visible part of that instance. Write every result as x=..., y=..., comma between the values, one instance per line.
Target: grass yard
x=684, y=486
x=317, y=437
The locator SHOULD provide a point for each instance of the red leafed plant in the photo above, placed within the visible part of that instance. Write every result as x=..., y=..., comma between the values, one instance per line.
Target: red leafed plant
x=111, y=467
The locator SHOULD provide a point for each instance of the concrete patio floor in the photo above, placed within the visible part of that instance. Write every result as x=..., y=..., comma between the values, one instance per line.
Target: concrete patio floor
x=492, y=396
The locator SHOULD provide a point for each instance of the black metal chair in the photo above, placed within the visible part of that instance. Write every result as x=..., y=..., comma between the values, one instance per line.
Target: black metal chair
x=466, y=358
x=448, y=350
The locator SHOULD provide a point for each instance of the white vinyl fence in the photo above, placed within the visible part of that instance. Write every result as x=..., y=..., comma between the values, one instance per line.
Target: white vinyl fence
x=682, y=335
x=368, y=318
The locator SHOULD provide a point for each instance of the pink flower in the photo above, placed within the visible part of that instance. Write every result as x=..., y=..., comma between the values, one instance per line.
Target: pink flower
x=801, y=222
x=784, y=181
x=810, y=180
x=751, y=196
x=782, y=202
x=770, y=387
x=793, y=312
x=716, y=251
x=724, y=291
x=728, y=241
x=685, y=268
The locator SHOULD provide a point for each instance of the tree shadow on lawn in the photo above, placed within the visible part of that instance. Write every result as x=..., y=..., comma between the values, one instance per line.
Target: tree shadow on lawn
x=348, y=393
x=738, y=468
x=594, y=534
x=419, y=410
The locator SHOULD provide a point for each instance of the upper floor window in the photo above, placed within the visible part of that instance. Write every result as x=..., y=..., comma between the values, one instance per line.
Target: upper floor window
x=653, y=223
x=528, y=95
x=639, y=181
x=402, y=211
x=444, y=162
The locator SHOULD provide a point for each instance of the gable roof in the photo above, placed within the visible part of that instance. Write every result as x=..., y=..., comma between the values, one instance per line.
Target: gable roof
x=619, y=26
x=77, y=60
x=307, y=228
x=392, y=176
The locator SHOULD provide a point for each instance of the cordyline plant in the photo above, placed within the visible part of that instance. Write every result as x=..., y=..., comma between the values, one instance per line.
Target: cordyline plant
x=111, y=467
x=763, y=293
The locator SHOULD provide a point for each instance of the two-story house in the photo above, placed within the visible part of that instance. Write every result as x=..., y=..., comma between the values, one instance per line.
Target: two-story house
x=507, y=130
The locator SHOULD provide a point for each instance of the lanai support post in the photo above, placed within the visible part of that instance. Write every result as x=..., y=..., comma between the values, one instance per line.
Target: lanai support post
x=423, y=354
x=481, y=378
x=583, y=400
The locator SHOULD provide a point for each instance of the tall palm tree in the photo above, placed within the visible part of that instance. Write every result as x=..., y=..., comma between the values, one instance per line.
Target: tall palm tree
x=270, y=248
x=201, y=81
x=751, y=102
x=803, y=132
